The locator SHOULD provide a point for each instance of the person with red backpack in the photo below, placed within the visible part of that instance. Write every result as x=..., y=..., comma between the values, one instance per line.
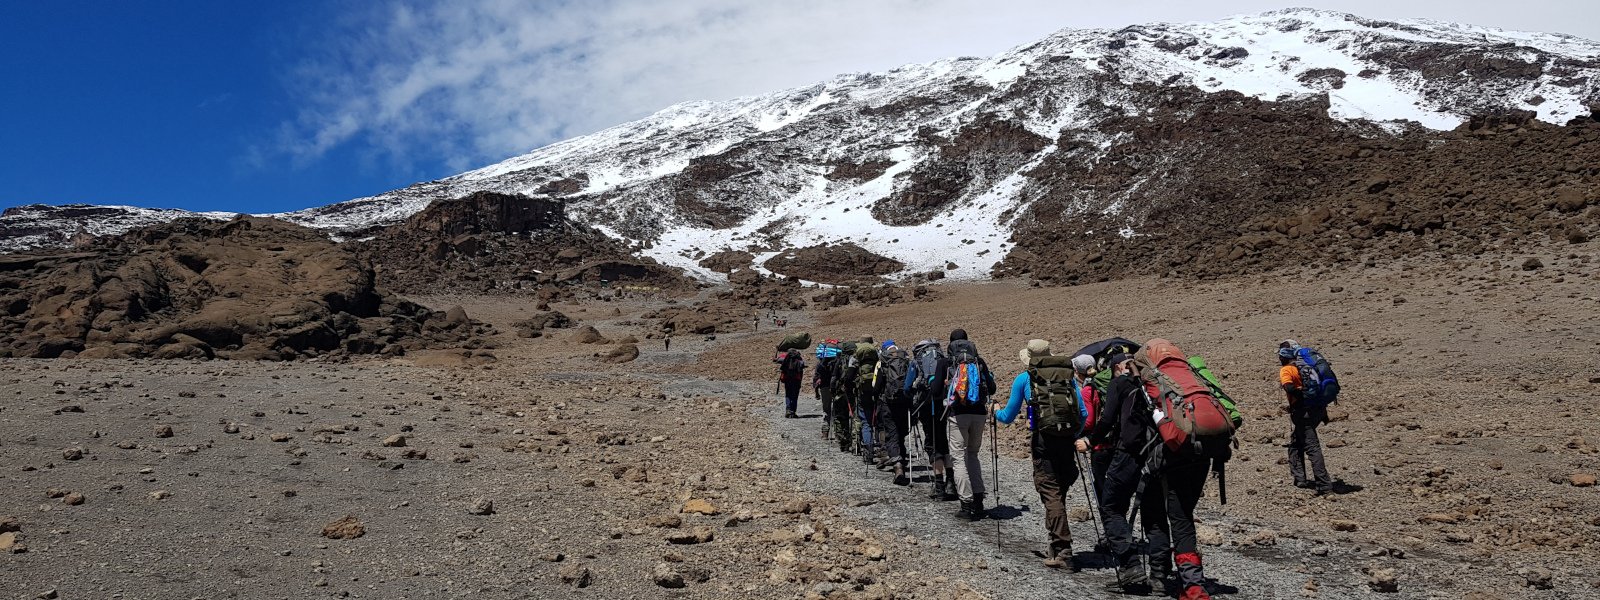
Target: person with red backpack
x=791, y=373
x=1304, y=416
x=968, y=385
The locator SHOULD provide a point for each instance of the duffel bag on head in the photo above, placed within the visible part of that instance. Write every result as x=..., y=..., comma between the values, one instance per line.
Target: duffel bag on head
x=1189, y=407
x=1053, y=397
x=795, y=341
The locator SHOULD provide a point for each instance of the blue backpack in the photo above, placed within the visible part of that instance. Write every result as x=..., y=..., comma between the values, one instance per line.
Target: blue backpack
x=1320, y=385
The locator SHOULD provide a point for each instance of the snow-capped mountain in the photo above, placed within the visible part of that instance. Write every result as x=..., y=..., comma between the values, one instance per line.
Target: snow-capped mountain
x=930, y=164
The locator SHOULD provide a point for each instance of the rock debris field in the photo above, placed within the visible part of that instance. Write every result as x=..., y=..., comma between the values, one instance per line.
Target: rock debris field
x=546, y=470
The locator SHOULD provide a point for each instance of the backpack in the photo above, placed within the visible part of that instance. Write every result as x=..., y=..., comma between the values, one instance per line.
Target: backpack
x=1193, y=418
x=963, y=380
x=1320, y=386
x=892, y=367
x=866, y=359
x=1210, y=379
x=927, y=355
x=795, y=341
x=793, y=364
x=1102, y=351
x=1053, y=403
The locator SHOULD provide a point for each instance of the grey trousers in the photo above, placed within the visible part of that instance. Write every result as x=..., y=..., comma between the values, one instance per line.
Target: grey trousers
x=966, y=441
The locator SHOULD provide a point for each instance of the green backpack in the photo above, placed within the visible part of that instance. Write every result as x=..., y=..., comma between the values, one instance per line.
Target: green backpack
x=1198, y=365
x=1054, y=401
x=867, y=359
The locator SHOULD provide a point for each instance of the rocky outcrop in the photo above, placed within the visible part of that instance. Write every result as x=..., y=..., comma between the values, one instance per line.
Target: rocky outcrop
x=249, y=288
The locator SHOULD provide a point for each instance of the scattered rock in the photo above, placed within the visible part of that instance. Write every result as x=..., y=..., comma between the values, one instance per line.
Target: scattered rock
x=72, y=453
x=73, y=499
x=482, y=506
x=698, y=535
x=871, y=550
x=552, y=557
x=622, y=354
x=231, y=428
x=575, y=576
x=1532, y=264
x=664, y=521
x=1582, y=480
x=345, y=528
x=587, y=334
x=1078, y=514
x=395, y=441
x=700, y=506
x=1207, y=535
x=665, y=576
x=281, y=437
x=1383, y=580
x=8, y=524
x=1538, y=578
x=8, y=540
x=160, y=495
x=1345, y=525
x=414, y=454
x=795, y=507
x=163, y=431
x=1265, y=537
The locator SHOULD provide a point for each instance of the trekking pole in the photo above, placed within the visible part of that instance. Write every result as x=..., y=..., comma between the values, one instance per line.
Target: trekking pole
x=994, y=456
x=1087, y=473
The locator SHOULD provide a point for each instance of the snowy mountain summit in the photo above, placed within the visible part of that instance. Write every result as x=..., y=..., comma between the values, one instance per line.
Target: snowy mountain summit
x=936, y=164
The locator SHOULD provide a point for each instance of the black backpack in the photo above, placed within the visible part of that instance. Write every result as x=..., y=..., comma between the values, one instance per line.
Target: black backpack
x=793, y=363
x=927, y=355
x=892, y=367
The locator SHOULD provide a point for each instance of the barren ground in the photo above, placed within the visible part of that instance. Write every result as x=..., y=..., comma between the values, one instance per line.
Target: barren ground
x=1467, y=388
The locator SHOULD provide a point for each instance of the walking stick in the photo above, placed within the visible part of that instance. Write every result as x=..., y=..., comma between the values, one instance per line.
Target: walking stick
x=1087, y=473
x=994, y=455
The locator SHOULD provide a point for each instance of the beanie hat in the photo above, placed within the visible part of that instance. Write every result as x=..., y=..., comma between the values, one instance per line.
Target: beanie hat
x=1034, y=349
x=1285, y=353
x=1082, y=363
x=1119, y=358
x=865, y=339
x=886, y=345
x=959, y=334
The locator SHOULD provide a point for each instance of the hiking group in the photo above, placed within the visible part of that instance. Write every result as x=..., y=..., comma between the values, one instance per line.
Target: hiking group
x=1142, y=425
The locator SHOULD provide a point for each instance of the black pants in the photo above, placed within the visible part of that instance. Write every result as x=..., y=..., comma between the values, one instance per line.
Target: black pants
x=1099, y=462
x=1184, y=480
x=1122, y=481
x=893, y=421
x=1055, y=469
x=825, y=397
x=791, y=394
x=1303, y=444
x=841, y=419
x=935, y=439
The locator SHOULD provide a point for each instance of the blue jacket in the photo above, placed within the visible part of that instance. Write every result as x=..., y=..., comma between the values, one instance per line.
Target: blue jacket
x=1022, y=392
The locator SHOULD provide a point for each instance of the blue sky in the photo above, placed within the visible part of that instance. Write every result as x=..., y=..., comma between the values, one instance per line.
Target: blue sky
x=281, y=105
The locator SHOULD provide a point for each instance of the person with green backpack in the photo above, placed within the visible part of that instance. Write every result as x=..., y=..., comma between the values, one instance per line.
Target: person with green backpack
x=866, y=402
x=1056, y=414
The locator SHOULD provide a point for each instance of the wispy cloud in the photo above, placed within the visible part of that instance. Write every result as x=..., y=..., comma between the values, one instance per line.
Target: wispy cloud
x=469, y=82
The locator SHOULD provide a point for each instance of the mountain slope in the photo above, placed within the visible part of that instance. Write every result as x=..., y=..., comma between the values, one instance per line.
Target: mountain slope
x=941, y=163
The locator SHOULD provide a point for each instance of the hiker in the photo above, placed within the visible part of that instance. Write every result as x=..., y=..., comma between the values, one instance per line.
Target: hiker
x=1048, y=389
x=1305, y=418
x=1099, y=454
x=923, y=385
x=791, y=372
x=968, y=384
x=1126, y=425
x=844, y=376
x=866, y=402
x=822, y=381
x=894, y=407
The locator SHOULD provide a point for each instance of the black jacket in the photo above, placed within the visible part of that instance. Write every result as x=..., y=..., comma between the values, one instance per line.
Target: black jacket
x=1129, y=428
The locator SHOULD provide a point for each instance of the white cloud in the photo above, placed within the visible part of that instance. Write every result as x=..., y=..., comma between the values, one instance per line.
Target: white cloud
x=469, y=82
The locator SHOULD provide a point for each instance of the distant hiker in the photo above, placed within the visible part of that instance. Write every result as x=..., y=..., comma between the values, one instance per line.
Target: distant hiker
x=866, y=399
x=968, y=385
x=823, y=380
x=1055, y=410
x=1126, y=425
x=924, y=385
x=894, y=407
x=1304, y=416
x=791, y=373
x=844, y=376
x=666, y=342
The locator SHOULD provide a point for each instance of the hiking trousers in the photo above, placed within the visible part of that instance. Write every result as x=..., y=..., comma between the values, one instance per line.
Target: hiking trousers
x=1303, y=444
x=865, y=413
x=841, y=420
x=791, y=394
x=1183, y=483
x=935, y=434
x=825, y=397
x=1055, y=469
x=893, y=422
x=1099, y=461
x=966, y=441
x=1122, y=481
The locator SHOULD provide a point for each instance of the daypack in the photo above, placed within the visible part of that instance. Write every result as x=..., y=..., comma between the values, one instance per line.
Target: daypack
x=1320, y=387
x=1210, y=379
x=793, y=364
x=964, y=383
x=866, y=359
x=795, y=341
x=892, y=367
x=1191, y=412
x=927, y=355
x=1102, y=351
x=1053, y=406
x=828, y=349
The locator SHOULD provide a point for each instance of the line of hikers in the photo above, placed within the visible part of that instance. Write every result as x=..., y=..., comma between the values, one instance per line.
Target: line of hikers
x=1152, y=422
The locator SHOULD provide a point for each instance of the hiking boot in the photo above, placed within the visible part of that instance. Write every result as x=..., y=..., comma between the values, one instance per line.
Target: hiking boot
x=900, y=477
x=977, y=506
x=1304, y=485
x=1102, y=547
x=938, y=489
x=790, y=415
x=967, y=512
x=1325, y=491
x=883, y=463
x=866, y=458
x=1130, y=580
x=1061, y=558
x=1194, y=592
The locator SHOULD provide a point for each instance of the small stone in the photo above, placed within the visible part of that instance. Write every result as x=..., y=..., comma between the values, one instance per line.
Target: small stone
x=1336, y=289
x=1538, y=578
x=1581, y=480
x=290, y=493
x=54, y=493
x=700, y=506
x=1344, y=525
x=1532, y=264
x=482, y=506
x=49, y=595
x=414, y=454
x=874, y=551
x=698, y=535
x=1383, y=580
x=163, y=431
x=234, y=428
x=281, y=437
x=1207, y=535
x=72, y=454
x=665, y=576
x=10, y=524
x=127, y=445
x=1265, y=537
x=73, y=499
x=345, y=528
x=663, y=521
x=552, y=557
x=795, y=507
x=160, y=495
x=394, y=441
x=1078, y=514
x=575, y=576
x=321, y=582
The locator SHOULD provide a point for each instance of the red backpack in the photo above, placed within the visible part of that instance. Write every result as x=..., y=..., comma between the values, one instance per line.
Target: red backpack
x=1189, y=408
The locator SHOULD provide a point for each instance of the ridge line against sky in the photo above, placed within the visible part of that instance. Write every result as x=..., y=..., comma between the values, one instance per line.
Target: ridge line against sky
x=288, y=105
